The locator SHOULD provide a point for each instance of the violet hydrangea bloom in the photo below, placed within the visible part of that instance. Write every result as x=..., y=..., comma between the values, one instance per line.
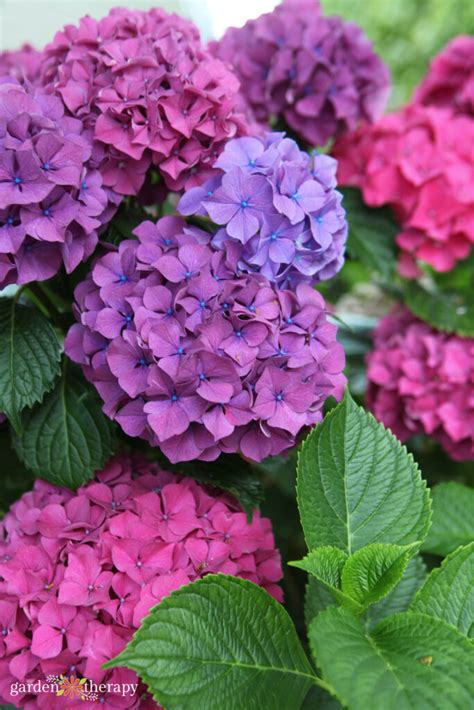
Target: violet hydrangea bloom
x=449, y=82
x=79, y=571
x=23, y=64
x=413, y=161
x=421, y=381
x=319, y=74
x=197, y=360
x=149, y=91
x=279, y=211
x=52, y=201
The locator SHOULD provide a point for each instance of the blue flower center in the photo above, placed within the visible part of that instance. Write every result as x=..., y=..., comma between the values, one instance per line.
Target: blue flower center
x=238, y=333
x=251, y=307
x=46, y=212
x=252, y=163
x=274, y=236
x=187, y=274
x=122, y=278
x=46, y=166
x=17, y=180
x=180, y=351
x=295, y=196
x=84, y=186
x=289, y=321
x=10, y=220
x=202, y=376
x=141, y=362
x=202, y=303
x=169, y=311
x=244, y=204
x=210, y=193
x=174, y=397
x=167, y=242
x=319, y=220
x=279, y=397
x=128, y=319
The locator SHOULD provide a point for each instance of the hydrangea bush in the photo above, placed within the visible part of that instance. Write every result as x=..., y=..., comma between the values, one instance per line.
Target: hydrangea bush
x=318, y=74
x=191, y=298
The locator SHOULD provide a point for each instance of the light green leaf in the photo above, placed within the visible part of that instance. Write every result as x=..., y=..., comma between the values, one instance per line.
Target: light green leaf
x=448, y=593
x=372, y=234
x=220, y=642
x=371, y=573
x=29, y=358
x=358, y=485
x=317, y=597
x=408, y=661
x=326, y=564
x=453, y=518
x=452, y=312
x=67, y=437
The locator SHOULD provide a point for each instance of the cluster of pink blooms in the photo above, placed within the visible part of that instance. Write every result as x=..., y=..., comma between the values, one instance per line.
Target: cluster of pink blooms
x=421, y=381
x=197, y=360
x=415, y=161
x=449, y=82
x=23, y=64
x=78, y=571
x=51, y=198
x=152, y=95
x=318, y=74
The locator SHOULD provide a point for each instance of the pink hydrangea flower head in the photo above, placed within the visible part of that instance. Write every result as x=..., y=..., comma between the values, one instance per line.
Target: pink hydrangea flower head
x=52, y=200
x=150, y=93
x=79, y=571
x=318, y=74
x=449, y=82
x=414, y=161
x=23, y=64
x=421, y=381
x=278, y=209
x=197, y=359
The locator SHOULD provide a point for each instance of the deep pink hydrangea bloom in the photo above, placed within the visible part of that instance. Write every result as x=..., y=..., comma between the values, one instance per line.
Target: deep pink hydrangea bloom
x=279, y=211
x=421, y=381
x=415, y=161
x=449, y=82
x=23, y=64
x=197, y=360
x=320, y=74
x=150, y=92
x=51, y=199
x=79, y=571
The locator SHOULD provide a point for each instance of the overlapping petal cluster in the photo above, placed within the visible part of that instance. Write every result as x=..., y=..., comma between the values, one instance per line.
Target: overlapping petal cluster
x=449, y=82
x=197, y=360
x=320, y=74
x=23, y=64
x=420, y=161
x=152, y=95
x=421, y=381
x=78, y=571
x=52, y=200
x=279, y=211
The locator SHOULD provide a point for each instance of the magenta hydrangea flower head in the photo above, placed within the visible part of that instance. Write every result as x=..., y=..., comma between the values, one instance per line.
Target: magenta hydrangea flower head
x=279, y=211
x=23, y=64
x=79, y=571
x=414, y=161
x=149, y=91
x=52, y=201
x=197, y=360
x=421, y=381
x=318, y=74
x=449, y=82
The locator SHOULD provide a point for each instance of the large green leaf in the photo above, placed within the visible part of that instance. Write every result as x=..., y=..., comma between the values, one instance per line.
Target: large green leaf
x=372, y=234
x=326, y=564
x=452, y=312
x=358, y=485
x=408, y=661
x=67, y=437
x=371, y=573
x=29, y=358
x=220, y=642
x=448, y=593
x=453, y=518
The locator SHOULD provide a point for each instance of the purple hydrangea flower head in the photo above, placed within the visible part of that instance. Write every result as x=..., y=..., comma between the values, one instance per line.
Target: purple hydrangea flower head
x=52, y=200
x=23, y=64
x=149, y=92
x=79, y=571
x=197, y=359
x=278, y=209
x=318, y=74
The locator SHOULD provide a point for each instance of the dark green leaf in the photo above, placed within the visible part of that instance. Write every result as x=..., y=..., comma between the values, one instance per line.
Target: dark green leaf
x=326, y=564
x=453, y=518
x=29, y=358
x=67, y=437
x=452, y=312
x=220, y=642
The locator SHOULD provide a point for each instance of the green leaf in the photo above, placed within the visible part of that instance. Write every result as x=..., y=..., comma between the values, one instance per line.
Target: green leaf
x=408, y=661
x=66, y=438
x=15, y=478
x=358, y=485
x=453, y=518
x=317, y=597
x=220, y=642
x=372, y=234
x=448, y=593
x=401, y=597
x=452, y=312
x=29, y=358
x=371, y=573
x=327, y=564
